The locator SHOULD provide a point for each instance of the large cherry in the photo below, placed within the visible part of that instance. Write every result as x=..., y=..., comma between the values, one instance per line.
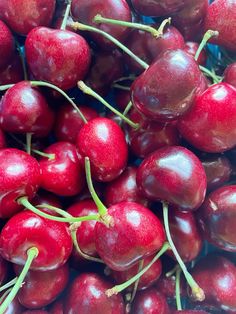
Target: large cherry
x=6, y=45
x=162, y=97
x=230, y=74
x=210, y=125
x=49, y=58
x=173, y=174
x=87, y=295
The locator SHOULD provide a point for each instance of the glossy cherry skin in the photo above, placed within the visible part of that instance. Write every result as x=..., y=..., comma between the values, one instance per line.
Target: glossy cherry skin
x=68, y=122
x=210, y=125
x=150, y=301
x=216, y=275
x=25, y=110
x=26, y=230
x=166, y=286
x=217, y=217
x=136, y=232
x=191, y=48
x=84, y=11
x=87, y=295
x=63, y=175
x=23, y=16
x=175, y=175
x=57, y=308
x=49, y=58
x=221, y=17
x=44, y=197
x=19, y=176
x=230, y=74
x=162, y=97
x=6, y=45
x=103, y=141
x=41, y=288
x=13, y=72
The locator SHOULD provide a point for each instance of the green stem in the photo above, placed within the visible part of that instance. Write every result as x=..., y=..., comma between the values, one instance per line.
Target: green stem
x=28, y=142
x=49, y=156
x=197, y=292
x=3, y=296
x=87, y=90
x=67, y=12
x=8, y=284
x=32, y=253
x=118, y=86
x=127, y=108
x=126, y=78
x=88, y=28
x=140, y=267
x=215, y=78
x=210, y=33
x=57, y=210
x=5, y=87
x=177, y=289
x=121, y=287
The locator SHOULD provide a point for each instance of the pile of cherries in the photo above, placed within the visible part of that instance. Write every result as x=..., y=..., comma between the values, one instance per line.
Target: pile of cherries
x=122, y=208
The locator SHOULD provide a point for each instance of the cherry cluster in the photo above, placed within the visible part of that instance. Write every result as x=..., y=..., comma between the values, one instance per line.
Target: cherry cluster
x=117, y=156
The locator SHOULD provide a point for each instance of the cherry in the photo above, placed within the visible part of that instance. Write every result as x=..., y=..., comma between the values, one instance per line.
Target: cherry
x=87, y=295
x=191, y=47
x=68, y=122
x=63, y=174
x=217, y=217
x=230, y=74
x=2, y=138
x=162, y=97
x=173, y=174
x=60, y=66
x=191, y=312
x=41, y=288
x=122, y=98
x=13, y=72
x=57, y=308
x=44, y=197
x=85, y=12
x=166, y=286
x=35, y=312
x=23, y=16
x=103, y=141
x=19, y=176
x=210, y=124
x=25, y=110
x=6, y=46
x=221, y=17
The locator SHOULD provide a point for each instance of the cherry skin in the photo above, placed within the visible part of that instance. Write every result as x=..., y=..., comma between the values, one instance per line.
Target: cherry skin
x=49, y=58
x=84, y=11
x=162, y=97
x=166, y=286
x=210, y=125
x=2, y=138
x=135, y=233
x=103, y=141
x=191, y=312
x=44, y=197
x=41, y=288
x=191, y=47
x=217, y=217
x=35, y=312
x=122, y=98
x=25, y=110
x=57, y=308
x=19, y=176
x=6, y=46
x=173, y=174
x=26, y=230
x=13, y=72
x=63, y=175
x=221, y=17
x=68, y=122
x=230, y=74
x=87, y=295
x=23, y=16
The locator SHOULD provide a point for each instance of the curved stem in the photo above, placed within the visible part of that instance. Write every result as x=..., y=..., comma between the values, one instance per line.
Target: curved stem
x=38, y=152
x=8, y=284
x=67, y=12
x=131, y=77
x=197, y=292
x=215, y=78
x=87, y=90
x=210, y=33
x=32, y=253
x=140, y=267
x=28, y=142
x=177, y=289
x=121, y=287
x=118, y=86
x=88, y=28
x=57, y=210
x=127, y=108
x=46, y=84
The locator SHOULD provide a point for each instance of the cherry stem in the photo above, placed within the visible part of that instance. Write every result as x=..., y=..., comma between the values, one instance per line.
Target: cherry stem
x=65, y=18
x=5, y=87
x=155, y=32
x=216, y=78
x=38, y=152
x=140, y=267
x=84, y=27
x=57, y=210
x=8, y=284
x=197, y=292
x=32, y=253
x=210, y=33
x=121, y=287
x=3, y=296
x=22, y=59
x=177, y=289
x=87, y=90
x=28, y=142
x=127, y=108
x=172, y=271
x=125, y=78
x=118, y=86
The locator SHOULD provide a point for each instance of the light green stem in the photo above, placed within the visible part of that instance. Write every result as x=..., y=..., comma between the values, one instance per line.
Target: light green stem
x=177, y=289
x=8, y=284
x=204, y=41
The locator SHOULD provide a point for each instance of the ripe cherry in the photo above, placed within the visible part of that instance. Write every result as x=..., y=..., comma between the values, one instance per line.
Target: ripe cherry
x=6, y=45
x=13, y=72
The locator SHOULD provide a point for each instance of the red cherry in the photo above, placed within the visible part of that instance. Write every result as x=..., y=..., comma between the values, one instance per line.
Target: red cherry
x=13, y=72
x=49, y=58
x=57, y=308
x=191, y=47
x=122, y=98
x=35, y=312
x=210, y=125
x=230, y=74
x=166, y=286
x=2, y=137
x=6, y=45
x=44, y=197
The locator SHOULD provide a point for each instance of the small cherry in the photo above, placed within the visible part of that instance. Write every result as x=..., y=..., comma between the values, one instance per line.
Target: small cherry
x=6, y=45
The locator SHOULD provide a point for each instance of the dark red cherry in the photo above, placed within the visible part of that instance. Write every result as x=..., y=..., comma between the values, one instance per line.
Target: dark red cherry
x=2, y=137
x=210, y=125
x=35, y=312
x=136, y=232
x=68, y=122
x=173, y=174
x=26, y=230
x=217, y=217
x=103, y=141
x=3, y=270
x=222, y=18
x=57, y=308
x=190, y=312
x=6, y=45
x=64, y=174
x=122, y=98
x=87, y=295
x=150, y=301
x=23, y=16
x=84, y=11
x=166, y=286
x=42, y=287
x=230, y=74
x=49, y=58
x=13, y=72
x=44, y=197
x=25, y=110
x=19, y=176
x=191, y=47
x=162, y=97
